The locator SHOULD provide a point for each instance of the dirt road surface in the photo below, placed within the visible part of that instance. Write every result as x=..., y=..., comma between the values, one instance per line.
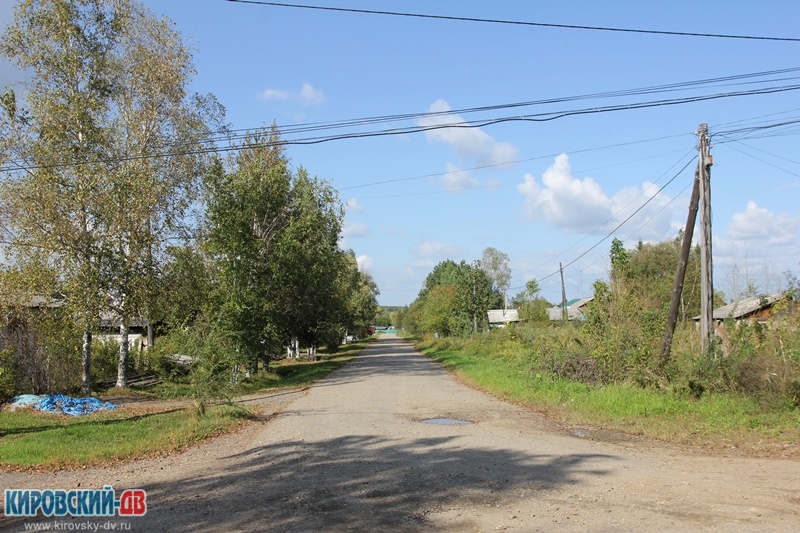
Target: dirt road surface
x=353, y=453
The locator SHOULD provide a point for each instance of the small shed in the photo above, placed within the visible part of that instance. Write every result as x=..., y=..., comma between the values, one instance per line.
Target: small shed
x=500, y=318
x=758, y=308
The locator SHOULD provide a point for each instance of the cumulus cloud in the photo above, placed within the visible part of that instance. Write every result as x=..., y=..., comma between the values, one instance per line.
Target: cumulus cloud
x=471, y=144
x=365, y=263
x=275, y=94
x=437, y=249
x=354, y=206
x=580, y=205
x=306, y=96
x=757, y=246
x=311, y=96
x=354, y=230
x=760, y=224
x=457, y=179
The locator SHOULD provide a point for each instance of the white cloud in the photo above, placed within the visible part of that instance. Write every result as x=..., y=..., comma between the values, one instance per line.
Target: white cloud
x=354, y=230
x=354, y=206
x=457, y=179
x=437, y=249
x=365, y=263
x=762, y=225
x=580, y=205
x=306, y=96
x=471, y=144
x=275, y=94
x=311, y=96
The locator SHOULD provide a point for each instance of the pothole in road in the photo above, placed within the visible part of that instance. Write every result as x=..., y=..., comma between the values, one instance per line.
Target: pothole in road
x=445, y=421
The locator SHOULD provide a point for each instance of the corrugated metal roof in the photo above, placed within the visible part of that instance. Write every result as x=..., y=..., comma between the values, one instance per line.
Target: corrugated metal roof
x=557, y=313
x=501, y=316
x=580, y=303
x=109, y=319
x=744, y=307
x=43, y=301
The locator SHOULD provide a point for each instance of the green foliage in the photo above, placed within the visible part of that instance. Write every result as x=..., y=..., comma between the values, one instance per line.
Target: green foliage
x=454, y=297
x=104, y=360
x=8, y=375
x=186, y=286
x=539, y=366
x=495, y=264
x=213, y=350
x=532, y=307
x=109, y=90
x=31, y=438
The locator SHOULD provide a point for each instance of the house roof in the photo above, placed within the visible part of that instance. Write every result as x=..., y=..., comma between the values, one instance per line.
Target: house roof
x=109, y=319
x=38, y=301
x=557, y=313
x=577, y=303
x=574, y=309
x=744, y=307
x=501, y=316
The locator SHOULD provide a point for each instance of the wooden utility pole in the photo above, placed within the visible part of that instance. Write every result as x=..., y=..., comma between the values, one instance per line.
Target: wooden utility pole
x=680, y=274
x=702, y=187
x=564, y=314
x=706, y=263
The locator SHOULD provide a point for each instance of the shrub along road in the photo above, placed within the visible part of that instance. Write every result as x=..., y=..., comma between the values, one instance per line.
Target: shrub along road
x=353, y=453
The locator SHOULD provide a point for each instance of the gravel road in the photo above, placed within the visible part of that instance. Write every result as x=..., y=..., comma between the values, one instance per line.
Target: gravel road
x=354, y=453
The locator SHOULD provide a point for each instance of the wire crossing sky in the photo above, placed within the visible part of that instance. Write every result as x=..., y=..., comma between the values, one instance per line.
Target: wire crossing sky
x=517, y=22
x=542, y=129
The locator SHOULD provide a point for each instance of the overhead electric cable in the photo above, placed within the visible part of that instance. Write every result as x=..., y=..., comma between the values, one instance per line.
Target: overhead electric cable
x=518, y=22
x=763, y=161
x=614, y=215
x=534, y=117
x=610, y=233
x=507, y=163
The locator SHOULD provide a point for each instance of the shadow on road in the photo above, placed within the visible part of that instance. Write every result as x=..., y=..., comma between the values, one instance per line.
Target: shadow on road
x=358, y=483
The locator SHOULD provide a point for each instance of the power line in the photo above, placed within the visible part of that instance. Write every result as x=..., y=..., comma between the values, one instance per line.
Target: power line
x=762, y=160
x=610, y=233
x=209, y=145
x=646, y=222
x=519, y=22
x=614, y=215
x=517, y=161
x=536, y=117
x=745, y=132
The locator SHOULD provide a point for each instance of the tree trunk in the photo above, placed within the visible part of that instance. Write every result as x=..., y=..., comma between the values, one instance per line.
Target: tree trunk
x=124, y=349
x=86, y=361
x=253, y=364
x=151, y=335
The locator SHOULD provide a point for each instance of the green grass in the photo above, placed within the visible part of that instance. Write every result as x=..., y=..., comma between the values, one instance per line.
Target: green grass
x=30, y=438
x=286, y=373
x=45, y=440
x=717, y=421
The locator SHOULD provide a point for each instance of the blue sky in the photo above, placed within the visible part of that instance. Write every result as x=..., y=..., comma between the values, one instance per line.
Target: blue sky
x=542, y=192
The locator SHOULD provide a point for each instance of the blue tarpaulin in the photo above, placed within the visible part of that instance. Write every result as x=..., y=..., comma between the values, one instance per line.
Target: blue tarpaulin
x=72, y=406
x=24, y=400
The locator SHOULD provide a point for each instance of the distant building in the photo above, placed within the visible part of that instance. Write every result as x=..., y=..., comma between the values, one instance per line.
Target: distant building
x=757, y=308
x=499, y=318
x=574, y=310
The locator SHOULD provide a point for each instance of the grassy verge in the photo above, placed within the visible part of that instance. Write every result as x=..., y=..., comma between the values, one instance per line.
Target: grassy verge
x=32, y=439
x=286, y=373
x=720, y=422
x=60, y=441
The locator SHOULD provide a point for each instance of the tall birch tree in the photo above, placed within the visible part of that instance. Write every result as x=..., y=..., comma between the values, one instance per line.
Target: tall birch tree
x=97, y=161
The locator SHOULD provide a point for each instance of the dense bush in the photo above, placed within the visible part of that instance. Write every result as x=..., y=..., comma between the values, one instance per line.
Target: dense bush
x=759, y=361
